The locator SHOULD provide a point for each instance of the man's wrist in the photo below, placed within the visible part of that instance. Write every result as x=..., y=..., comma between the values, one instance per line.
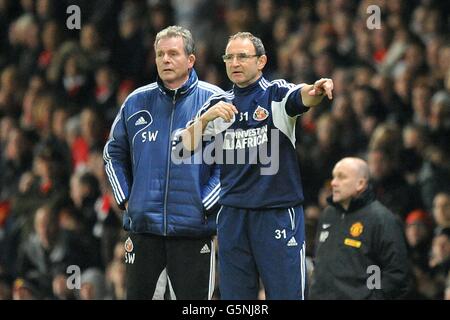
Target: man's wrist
x=203, y=119
x=203, y=122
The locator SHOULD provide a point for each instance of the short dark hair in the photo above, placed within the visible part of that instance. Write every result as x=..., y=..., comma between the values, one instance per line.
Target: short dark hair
x=257, y=43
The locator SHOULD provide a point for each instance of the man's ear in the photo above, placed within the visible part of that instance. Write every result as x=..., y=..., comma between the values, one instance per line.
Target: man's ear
x=191, y=61
x=361, y=185
x=262, y=62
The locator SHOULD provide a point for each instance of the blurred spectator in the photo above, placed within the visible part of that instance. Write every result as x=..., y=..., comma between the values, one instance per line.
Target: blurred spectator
x=415, y=140
x=381, y=39
x=434, y=175
x=396, y=111
x=97, y=216
x=190, y=14
x=92, y=47
x=115, y=276
x=421, y=104
x=389, y=185
x=129, y=46
x=40, y=186
x=125, y=88
x=323, y=154
x=447, y=289
x=441, y=211
x=27, y=5
x=367, y=109
x=75, y=83
x=36, y=87
x=42, y=115
x=47, y=251
x=432, y=56
x=159, y=16
x=418, y=235
x=60, y=289
x=444, y=61
x=24, y=289
x=351, y=139
x=93, y=285
x=341, y=76
x=45, y=10
x=440, y=261
x=58, y=138
x=84, y=191
x=15, y=160
x=344, y=40
x=266, y=12
x=9, y=98
x=51, y=40
x=104, y=92
x=439, y=119
x=6, y=282
x=25, y=32
x=5, y=290
x=88, y=134
x=388, y=138
x=92, y=128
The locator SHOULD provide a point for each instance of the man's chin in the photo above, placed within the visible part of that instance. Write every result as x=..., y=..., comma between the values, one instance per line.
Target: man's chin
x=239, y=83
x=237, y=78
x=167, y=78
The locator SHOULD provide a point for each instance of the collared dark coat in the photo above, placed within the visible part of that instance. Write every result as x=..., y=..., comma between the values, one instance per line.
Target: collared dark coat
x=353, y=245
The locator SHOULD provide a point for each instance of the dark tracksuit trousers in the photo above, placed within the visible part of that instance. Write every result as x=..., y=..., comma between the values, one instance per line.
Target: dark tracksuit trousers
x=186, y=265
x=267, y=244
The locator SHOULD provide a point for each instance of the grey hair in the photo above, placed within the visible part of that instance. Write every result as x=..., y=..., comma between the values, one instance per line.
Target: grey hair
x=257, y=43
x=177, y=31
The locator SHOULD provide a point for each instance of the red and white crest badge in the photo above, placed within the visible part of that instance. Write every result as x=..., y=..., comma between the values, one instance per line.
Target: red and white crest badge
x=260, y=114
x=129, y=245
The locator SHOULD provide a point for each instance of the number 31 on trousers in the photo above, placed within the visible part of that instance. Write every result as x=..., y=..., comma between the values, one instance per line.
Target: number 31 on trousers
x=279, y=233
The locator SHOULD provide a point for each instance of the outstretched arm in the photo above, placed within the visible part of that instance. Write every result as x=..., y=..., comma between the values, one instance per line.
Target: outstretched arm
x=312, y=94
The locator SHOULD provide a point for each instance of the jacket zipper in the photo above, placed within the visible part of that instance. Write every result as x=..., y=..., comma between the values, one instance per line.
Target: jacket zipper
x=342, y=234
x=166, y=194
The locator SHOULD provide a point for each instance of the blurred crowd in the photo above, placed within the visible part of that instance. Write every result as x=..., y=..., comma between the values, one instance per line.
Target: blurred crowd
x=60, y=90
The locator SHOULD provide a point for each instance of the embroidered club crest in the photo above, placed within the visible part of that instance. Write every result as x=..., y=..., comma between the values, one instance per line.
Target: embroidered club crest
x=128, y=245
x=356, y=229
x=260, y=114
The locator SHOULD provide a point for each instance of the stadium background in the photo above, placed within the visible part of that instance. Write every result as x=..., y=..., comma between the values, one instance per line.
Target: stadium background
x=60, y=90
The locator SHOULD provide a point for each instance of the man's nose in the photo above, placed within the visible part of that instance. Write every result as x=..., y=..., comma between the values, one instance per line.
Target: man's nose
x=235, y=61
x=165, y=58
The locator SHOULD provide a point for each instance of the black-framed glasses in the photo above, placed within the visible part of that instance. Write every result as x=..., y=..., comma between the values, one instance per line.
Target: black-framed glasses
x=241, y=57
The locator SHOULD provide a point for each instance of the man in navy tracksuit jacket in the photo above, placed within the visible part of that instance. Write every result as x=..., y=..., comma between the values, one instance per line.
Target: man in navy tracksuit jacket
x=260, y=224
x=167, y=204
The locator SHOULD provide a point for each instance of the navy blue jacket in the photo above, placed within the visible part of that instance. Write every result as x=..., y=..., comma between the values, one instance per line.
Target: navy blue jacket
x=258, y=161
x=164, y=198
